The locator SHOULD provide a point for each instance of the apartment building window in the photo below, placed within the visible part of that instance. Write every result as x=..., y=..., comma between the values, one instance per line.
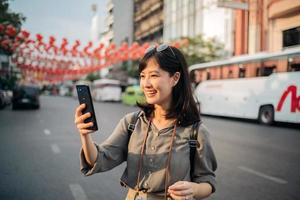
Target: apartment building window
x=291, y=37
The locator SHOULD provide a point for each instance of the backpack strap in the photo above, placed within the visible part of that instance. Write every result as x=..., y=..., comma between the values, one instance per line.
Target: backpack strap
x=193, y=142
x=131, y=125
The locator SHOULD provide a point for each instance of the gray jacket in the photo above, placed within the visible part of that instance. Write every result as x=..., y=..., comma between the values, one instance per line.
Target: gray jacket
x=116, y=149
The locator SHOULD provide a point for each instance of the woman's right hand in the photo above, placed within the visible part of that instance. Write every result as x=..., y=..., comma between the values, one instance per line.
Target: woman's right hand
x=79, y=120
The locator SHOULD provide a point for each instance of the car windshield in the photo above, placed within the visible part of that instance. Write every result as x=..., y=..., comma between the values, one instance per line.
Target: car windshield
x=30, y=90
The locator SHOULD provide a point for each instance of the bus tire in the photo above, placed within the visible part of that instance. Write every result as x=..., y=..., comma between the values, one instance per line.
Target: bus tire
x=266, y=115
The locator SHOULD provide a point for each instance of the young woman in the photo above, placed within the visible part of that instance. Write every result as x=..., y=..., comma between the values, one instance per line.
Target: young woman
x=158, y=151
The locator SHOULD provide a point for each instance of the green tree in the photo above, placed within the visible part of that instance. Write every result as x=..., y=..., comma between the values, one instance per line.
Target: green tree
x=201, y=50
x=7, y=17
x=93, y=76
x=8, y=82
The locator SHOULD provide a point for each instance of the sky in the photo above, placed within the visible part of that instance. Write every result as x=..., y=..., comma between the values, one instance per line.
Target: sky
x=61, y=18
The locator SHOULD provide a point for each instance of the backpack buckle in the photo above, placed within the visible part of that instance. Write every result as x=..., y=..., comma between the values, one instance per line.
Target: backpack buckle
x=131, y=127
x=193, y=143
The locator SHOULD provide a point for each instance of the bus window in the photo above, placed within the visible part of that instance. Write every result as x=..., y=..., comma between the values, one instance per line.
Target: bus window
x=295, y=67
x=207, y=75
x=230, y=74
x=242, y=72
x=267, y=71
x=258, y=72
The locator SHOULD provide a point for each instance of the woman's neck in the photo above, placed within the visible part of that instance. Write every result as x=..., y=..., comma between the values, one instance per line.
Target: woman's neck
x=159, y=118
x=160, y=112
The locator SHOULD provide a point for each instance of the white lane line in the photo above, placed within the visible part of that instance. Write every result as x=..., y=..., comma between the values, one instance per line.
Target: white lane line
x=271, y=178
x=55, y=148
x=47, y=132
x=77, y=192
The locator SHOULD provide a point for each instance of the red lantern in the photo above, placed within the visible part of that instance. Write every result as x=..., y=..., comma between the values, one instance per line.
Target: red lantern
x=39, y=37
x=63, y=46
x=5, y=43
x=75, y=47
x=112, y=46
x=2, y=28
x=25, y=34
x=101, y=45
x=51, y=41
x=86, y=49
x=10, y=30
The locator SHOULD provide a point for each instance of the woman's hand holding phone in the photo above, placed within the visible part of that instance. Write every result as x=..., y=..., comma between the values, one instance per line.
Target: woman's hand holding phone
x=79, y=120
x=88, y=146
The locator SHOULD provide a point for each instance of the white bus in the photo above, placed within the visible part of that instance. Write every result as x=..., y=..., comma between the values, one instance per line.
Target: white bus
x=106, y=90
x=272, y=97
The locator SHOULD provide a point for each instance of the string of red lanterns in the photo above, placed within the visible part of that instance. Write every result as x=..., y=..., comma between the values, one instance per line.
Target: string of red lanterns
x=51, y=62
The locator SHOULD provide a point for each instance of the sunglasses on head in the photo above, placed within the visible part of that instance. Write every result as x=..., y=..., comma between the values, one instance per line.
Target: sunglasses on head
x=160, y=48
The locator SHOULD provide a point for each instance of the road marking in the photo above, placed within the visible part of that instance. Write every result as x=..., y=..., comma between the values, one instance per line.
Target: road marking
x=271, y=178
x=47, y=132
x=55, y=148
x=77, y=192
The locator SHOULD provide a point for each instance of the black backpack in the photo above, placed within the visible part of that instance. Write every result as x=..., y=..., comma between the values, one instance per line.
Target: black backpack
x=193, y=142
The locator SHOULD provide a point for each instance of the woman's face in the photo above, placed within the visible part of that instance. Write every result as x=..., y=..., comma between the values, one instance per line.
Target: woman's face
x=157, y=84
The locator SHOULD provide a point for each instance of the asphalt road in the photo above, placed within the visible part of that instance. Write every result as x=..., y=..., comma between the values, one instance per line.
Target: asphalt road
x=39, y=156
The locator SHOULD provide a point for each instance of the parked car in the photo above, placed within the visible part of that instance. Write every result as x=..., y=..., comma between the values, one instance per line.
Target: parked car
x=26, y=96
x=8, y=96
x=132, y=95
x=2, y=99
x=5, y=98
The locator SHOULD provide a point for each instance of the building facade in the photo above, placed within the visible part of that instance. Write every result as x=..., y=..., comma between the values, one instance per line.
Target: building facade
x=123, y=23
x=96, y=28
x=268, y=25
x=148, y=21
x=118, y=29
x=119, y=23
x=261, y=26
x=189, y=18
x=109, y=22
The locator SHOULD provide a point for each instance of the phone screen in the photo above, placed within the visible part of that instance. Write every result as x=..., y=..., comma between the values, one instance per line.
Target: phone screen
x=84, y=96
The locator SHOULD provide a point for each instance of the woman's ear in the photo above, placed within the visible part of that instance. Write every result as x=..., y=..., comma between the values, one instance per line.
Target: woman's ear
x=176, y=78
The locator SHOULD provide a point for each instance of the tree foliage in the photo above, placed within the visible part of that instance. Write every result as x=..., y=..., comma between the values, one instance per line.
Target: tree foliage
x=9, y=17
x=201, y=50
x=93, y=76
x=8, y=82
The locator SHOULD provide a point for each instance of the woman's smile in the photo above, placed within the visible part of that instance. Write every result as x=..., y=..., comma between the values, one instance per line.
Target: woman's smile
x=150, y=93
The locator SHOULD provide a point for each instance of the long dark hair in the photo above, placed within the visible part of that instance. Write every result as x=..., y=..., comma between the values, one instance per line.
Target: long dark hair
x=183, y=106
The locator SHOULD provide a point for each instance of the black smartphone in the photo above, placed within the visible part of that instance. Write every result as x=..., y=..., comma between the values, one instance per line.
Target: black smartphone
x=84, y=96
